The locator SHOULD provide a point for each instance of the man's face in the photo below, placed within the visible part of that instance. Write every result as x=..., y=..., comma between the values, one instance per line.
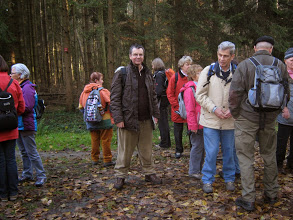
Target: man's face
x=137, y=56
x=225, y=58
x=289, y=63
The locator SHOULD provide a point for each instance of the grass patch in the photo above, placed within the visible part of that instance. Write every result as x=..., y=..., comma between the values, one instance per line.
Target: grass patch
x=59, y=130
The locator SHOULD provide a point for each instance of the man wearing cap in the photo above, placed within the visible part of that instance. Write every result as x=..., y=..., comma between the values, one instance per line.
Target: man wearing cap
x=285, y=126
x=247, y=126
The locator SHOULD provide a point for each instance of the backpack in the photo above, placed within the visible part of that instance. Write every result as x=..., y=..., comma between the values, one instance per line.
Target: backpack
x=182, y=110
x=93, y=107
x=215, y=69
x=169, y=73
x=8, y=114
x=267, y=93
x=40, y=108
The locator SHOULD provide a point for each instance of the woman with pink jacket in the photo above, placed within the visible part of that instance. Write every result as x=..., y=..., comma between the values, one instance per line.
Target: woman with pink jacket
x=195, y=129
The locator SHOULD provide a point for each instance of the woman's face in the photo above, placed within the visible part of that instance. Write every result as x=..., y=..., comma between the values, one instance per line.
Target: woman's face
x=101, y=81
x=15, y=75
x=196, y=77
x=185, y=67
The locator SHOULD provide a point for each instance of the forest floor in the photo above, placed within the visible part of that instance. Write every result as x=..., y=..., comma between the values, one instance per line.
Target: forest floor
x=76, y=189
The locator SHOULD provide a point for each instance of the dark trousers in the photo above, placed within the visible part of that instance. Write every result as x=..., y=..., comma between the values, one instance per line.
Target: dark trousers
x=8, y=169
x=178, y=130
x=284, y=132
x=164, y=127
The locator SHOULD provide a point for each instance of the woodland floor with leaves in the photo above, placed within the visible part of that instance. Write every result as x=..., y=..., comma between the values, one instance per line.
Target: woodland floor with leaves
x=76, y=189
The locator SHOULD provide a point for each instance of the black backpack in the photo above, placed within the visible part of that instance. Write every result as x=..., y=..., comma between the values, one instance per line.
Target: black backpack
x=8, y=114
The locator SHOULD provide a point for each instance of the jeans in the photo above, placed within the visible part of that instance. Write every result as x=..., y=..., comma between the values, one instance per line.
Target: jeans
x=212, y=140
x=8, y=169
x=196, y=152
x=30, y=156
x=284, y=132
x=164, y=127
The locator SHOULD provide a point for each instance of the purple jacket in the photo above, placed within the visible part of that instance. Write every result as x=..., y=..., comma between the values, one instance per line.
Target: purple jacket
x=27, y=121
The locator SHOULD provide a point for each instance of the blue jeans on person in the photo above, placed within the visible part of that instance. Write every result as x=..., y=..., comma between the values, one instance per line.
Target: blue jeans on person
x=30, y=156
x=212, y=140
x=8, y=169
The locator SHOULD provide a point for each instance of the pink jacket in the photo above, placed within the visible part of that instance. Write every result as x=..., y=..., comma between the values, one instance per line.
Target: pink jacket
x=192, y=107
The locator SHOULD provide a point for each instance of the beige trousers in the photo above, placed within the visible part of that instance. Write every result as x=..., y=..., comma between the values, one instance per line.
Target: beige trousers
x=127, y=142
x=245, y=135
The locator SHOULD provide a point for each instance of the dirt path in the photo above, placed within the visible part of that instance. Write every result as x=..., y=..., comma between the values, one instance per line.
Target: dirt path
x=76, y=189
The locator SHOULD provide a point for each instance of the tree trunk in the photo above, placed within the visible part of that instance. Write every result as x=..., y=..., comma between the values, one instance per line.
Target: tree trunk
x=110, y=44
x=103, y=43
x=67, y=57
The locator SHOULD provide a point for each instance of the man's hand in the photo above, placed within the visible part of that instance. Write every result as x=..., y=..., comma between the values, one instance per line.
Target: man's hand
x=227, y=114
x=155, y=120
x=286, y=113
x=219, y=113
x=120, y=124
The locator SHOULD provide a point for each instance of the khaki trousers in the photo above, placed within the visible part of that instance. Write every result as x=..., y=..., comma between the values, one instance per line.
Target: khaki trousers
x=104, y=136
x=245, y=136
x=127, y=142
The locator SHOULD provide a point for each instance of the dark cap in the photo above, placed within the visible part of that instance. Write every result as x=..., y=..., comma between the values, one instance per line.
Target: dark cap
x=265, y=39
x=289, y=53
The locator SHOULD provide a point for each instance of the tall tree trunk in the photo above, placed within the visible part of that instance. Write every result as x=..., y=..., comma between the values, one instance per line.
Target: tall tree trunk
x=178, y=31
x=110, y=43
x=103, y=42
x=67, y=57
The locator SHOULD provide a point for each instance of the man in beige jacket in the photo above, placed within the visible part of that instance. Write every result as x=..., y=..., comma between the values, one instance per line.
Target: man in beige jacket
x=212, y=94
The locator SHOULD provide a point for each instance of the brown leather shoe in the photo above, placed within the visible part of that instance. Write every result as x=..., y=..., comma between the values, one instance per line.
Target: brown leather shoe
x=119, y=183
x=269, y=200
x=249, y=206
x=153, y=179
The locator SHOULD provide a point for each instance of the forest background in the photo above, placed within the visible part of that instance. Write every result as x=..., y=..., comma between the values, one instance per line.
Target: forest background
x=63, y=41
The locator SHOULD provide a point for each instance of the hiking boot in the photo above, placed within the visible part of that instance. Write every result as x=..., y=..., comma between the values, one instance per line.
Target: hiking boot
x=4, y=199
x=119, y=183
x=13, y=198
x=249, y=206
x=153, y=179
x=40, y=182
x=23, y=179
x=196, y=175
x=95, y=162
x=108, y=164
x=230, y=186
x=269, y=200
x=178, y=155
x=207, y=188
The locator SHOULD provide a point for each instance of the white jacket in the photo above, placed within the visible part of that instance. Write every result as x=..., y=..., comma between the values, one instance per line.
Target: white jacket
x=214, y=94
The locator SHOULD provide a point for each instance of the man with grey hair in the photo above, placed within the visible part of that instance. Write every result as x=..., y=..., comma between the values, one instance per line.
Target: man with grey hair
x=27, y=126
x=212, y=94
x=247, y=125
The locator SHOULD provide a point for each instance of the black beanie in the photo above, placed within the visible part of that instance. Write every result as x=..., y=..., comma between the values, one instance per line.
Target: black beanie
x=265, y=39
x=289, y=53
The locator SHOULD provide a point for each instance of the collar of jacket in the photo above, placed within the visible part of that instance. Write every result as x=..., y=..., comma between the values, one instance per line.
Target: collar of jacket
x=181, y=74
x=135, y=68
x=262, y=52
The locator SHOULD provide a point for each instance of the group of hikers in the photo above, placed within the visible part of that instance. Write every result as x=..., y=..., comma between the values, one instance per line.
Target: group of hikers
x=227, y=107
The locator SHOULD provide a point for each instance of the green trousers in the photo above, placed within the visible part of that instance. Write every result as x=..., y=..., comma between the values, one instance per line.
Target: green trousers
x=245, y=136
x=127, y=142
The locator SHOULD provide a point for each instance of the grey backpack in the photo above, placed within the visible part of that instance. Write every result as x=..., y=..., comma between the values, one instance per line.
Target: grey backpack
x=93, y=108
x=182, y=110
x=267, y=93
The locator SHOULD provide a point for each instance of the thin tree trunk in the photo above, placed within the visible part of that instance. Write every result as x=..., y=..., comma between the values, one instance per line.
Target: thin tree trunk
x=110, y=43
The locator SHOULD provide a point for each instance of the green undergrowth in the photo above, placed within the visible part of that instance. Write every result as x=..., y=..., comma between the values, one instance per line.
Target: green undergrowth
x=59, y=130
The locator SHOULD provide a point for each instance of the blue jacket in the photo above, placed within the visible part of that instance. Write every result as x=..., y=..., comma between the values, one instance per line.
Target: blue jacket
x=27, y=121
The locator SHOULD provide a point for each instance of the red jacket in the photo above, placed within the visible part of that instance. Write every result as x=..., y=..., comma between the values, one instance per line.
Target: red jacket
x=16, y=92
x=172, y=95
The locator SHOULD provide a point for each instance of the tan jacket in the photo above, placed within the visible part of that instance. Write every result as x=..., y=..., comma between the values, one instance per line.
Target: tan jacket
x=214, y=94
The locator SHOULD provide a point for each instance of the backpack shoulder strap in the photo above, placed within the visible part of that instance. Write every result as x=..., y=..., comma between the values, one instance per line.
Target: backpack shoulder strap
x=211, y=72
x=10, y=82
x=254, y=61
x=193, y=90
x=124, y=74
x=176, y=79
x=275, y=61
